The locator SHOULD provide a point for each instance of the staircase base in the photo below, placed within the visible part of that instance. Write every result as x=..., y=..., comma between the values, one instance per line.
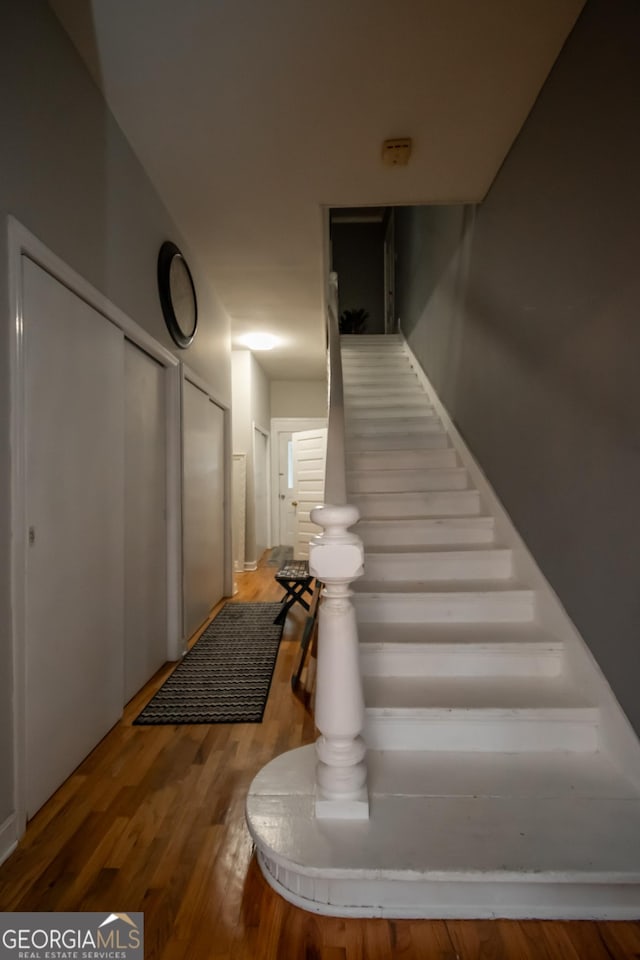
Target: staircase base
x=561, y=842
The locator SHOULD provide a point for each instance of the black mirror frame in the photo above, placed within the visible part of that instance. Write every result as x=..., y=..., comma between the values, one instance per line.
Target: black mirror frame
x=168, y=251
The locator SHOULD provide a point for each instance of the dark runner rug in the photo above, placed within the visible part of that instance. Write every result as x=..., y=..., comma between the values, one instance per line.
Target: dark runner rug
x=279, y=556
x=226, y=676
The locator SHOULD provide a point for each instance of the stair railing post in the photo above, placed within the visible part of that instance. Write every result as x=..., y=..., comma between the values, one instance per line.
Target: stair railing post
x=336, y=558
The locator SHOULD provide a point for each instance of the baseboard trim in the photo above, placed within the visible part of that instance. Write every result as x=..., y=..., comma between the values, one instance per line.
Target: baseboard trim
x=616, y=734
x=8, y=837
x=250, y=565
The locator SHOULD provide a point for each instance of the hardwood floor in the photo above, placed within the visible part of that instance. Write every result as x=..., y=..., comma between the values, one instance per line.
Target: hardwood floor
x=153, y=820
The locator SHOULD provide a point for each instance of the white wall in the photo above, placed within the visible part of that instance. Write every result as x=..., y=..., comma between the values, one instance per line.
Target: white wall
x=298, y=398
x=68, y=174
x=241, y=400
x=251, y=406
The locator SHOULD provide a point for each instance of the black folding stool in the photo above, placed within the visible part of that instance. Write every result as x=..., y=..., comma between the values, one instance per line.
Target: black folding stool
x=296, y=580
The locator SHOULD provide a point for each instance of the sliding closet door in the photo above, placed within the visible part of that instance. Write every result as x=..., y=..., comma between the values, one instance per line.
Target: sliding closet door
x=145, y=526
x=74, y=493
x=203, y=505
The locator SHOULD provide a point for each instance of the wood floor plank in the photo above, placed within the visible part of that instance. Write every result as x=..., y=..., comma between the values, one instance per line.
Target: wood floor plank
x=622, y=940
x=153, y=820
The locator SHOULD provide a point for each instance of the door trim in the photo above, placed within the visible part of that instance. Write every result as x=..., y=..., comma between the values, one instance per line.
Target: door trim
x=284, y=425
x=256, y=428
x=21, y=242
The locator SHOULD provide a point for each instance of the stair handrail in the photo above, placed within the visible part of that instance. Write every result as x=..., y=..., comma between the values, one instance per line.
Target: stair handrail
x=336, y=559
x=335, y=489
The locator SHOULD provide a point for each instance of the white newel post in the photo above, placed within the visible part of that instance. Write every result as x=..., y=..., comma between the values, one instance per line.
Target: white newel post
x=336, y=559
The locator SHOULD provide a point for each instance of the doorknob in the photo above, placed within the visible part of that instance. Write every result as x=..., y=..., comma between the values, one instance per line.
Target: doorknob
x=294, y=503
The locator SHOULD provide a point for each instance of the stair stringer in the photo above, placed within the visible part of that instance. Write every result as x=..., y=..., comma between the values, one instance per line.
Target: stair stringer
x=617, y=737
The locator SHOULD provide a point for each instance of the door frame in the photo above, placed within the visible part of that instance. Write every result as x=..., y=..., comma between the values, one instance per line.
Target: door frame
x=186, y=373
x=257, y=428
x=21, y=242
x=281, y=425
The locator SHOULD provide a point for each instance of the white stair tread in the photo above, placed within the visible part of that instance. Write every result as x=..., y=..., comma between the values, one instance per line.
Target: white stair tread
x=498, y=586
x=519, y=695
x=413, y=396
x=405, y=550
x=425, y=773
x=376, y=426
x=381, y=462
x=423, y=453
x=390, y=442
x=433, y=635
x=417, y=505
x=409, y=479
x=389, y=403
x=556, y=839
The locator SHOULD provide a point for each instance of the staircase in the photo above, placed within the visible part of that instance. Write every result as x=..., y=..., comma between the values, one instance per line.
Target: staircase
x=491, y=791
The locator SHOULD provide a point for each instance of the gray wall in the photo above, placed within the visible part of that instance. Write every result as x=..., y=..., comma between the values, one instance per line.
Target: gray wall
x=69, y=176
x=357, y=256
x=538, y=358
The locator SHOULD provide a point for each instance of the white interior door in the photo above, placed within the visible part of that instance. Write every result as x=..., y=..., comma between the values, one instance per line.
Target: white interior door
x=74, y=499
x=286, y=509
x=145, y=622
x=203, y=505
x=309, y=458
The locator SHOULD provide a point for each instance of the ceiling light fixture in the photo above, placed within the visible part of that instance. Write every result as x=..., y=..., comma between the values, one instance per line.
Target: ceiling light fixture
x=258, y=341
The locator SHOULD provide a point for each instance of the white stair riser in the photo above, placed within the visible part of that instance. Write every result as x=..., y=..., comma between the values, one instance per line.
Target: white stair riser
x=461, y=660
x=390, y=412
x=403, y=460
x=544, y=898
x=404, y=481
x=444, y=504
x=413, y=533
x=401, y=407
x=382, y=390
x=373, y=360
x=444, y=565
x=358, y=340
x=389, y=345
x=433, y=440
x=394, y=398
x=399, y=371
x=351, y=356
x=508, y=606
x=415, y=426
x=486, y=730
x=378, y=391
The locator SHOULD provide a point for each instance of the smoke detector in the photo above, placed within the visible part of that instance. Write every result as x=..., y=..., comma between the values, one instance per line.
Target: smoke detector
x=396, y=153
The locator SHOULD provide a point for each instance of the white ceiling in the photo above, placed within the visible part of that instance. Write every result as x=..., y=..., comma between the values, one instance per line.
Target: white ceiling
x=251, y=116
